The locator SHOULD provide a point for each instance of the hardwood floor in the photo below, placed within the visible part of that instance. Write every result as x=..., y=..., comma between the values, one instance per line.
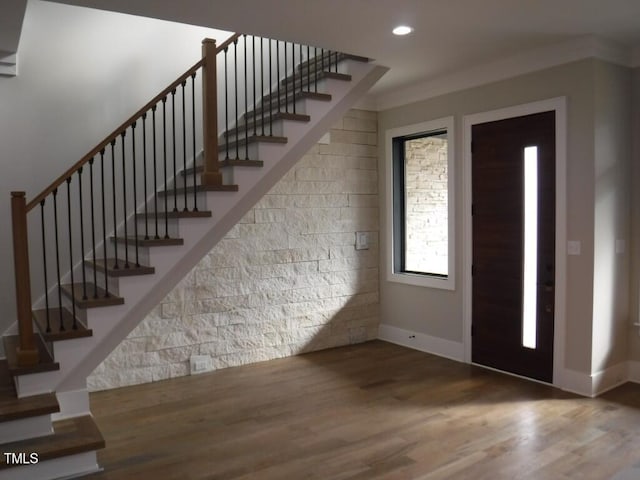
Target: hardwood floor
x=371, y=411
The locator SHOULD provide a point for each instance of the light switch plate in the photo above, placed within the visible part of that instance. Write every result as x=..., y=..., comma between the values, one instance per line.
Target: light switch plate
x=362, y=240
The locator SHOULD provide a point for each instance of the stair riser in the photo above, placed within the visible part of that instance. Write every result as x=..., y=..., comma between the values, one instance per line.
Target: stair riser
x=242, y=151
x=301, y=107
x=25, y=428
x=273, y=97
x=201, y=202
x=277, y=129
x=72, y=466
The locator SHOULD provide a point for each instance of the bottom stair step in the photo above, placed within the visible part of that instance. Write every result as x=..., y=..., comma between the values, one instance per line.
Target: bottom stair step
x=14, y=408
x=72, y=436
x=45, y=364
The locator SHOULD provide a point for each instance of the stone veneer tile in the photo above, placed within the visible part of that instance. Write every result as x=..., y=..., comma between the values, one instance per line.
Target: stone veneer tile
x=285, y=280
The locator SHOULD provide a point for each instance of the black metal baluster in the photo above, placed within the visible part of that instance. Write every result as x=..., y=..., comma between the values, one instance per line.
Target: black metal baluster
x=155, y=170
x=184, y=147
x=55, y=222
x=278, y=71
x=193, y=136
x=226, y=103
x=44, y=258
x=293, y=71
x=135, y=192
x=164, y=149
x=253, y=55
x=116, y=265
x=173, y=148
x=308, y=68
x=93, y=231
x=73, y=286
x=84, y=273
x=315, y=69
x=235, y=78
x=269, y=95
x=261, y=81
x=286, y=84
x=336, y=61
x=144, y=171
x=104, y=226
x=124, y=201
x=246, y=108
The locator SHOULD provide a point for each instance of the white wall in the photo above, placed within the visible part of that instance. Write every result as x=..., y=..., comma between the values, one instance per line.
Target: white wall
x=612, y=137
x=82, y=73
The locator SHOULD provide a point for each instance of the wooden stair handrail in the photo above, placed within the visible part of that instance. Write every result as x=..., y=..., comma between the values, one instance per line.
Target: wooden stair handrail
x=93, y=152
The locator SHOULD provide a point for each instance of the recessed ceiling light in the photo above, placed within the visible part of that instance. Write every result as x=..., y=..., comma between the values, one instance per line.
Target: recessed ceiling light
x=402, y=30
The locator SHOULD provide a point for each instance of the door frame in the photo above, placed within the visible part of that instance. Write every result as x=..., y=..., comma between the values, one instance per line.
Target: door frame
x=559, y=106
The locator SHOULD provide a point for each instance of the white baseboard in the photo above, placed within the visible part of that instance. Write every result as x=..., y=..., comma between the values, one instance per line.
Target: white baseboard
x=422, y=342
x=609, y=378
x=584, y=384
x=592, y=385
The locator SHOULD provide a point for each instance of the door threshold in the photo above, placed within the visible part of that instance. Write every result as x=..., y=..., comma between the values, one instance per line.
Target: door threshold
x=535, y=380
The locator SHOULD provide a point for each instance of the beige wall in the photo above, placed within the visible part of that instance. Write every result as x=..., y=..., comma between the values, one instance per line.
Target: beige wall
x=634, y=300
x=611, y=323
x=286, y=279
x=438, y=313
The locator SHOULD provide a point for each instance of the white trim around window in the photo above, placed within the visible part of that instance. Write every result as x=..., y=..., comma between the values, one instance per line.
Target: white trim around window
x=422, y=280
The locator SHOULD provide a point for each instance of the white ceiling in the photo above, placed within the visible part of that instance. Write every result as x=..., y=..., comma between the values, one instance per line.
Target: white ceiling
x=450, y=35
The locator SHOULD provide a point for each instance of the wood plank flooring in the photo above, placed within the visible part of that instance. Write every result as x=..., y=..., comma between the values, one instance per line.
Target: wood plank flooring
x=370, y=411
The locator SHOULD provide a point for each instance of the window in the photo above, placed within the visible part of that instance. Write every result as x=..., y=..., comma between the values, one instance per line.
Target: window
x=421, y=204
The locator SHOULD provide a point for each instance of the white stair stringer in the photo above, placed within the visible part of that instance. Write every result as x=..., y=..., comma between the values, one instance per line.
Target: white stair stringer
x=110, y=325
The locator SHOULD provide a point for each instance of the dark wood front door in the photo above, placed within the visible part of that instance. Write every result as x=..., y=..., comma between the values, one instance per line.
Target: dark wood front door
x=513, y=177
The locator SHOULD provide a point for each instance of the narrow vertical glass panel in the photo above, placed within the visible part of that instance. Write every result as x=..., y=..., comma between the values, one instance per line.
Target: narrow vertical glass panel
x=530, y=277
x=426, y=229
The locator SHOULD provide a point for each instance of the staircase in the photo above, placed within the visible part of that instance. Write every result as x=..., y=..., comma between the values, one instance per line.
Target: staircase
x=127, y=222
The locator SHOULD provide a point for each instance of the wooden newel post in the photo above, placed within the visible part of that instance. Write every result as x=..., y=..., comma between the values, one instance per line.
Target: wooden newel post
x=211, y=174
x=26, y=352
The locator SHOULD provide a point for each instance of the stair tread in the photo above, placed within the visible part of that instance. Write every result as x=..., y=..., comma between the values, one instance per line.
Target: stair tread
x=149, y=242
x=14, y=408
x=121, y=271
x=341, y=56
x=296, y=117
x=177, y=214
x=201, y=188
x=303, y=76
x=223, y=144
x=45, y=363
x=77, y=291
x=225, y=163
x=286, y=95
x=56, y=334
x=273, y=103
x=70, y=437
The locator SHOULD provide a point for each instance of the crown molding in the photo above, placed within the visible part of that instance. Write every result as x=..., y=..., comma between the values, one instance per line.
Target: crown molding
x=519, y=64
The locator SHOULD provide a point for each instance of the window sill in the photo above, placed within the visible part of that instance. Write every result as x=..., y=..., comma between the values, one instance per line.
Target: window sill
x=423, y=280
